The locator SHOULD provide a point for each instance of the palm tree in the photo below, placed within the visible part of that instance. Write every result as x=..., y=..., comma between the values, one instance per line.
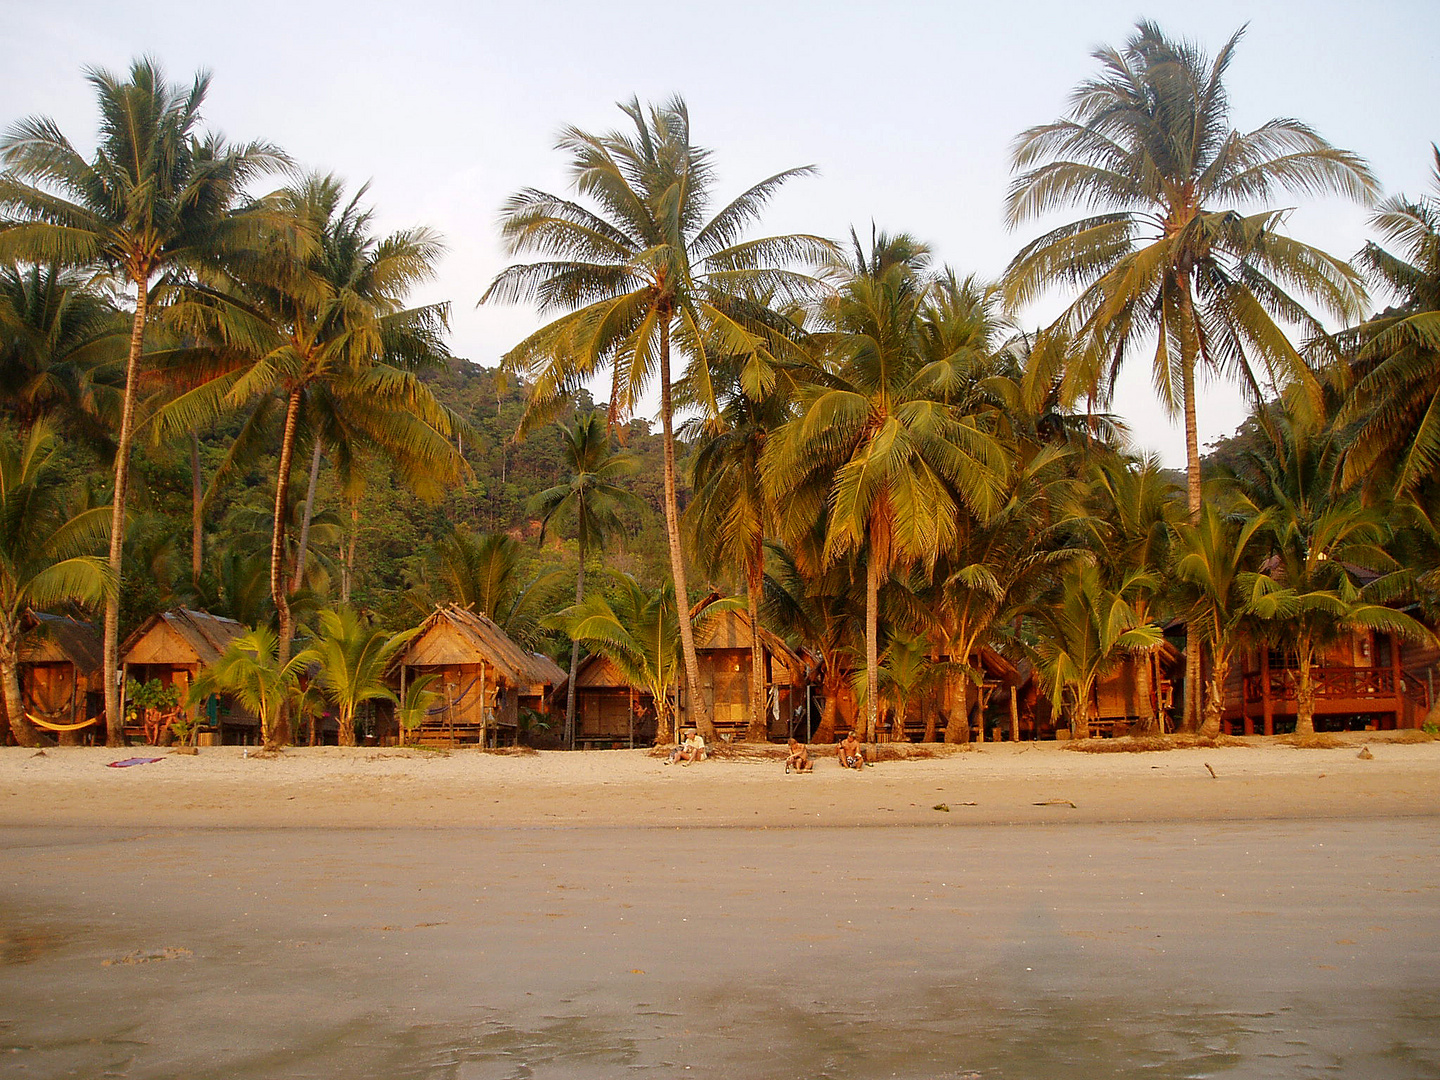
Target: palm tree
x=639, y=632
x=906, y=672
x=251, y=669
x=56, y=330
x=155, y=197
x=326, y=319
x=350, y=658
x=594, y=499
x=1082, y=632
x=1148, y=144
x=44, y=557
x=643, y=269
x=882, y=447
x=1224, y=600
x=1397, y=398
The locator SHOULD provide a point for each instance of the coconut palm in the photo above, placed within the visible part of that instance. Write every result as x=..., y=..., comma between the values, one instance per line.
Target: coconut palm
x=155, y=197
x=349, y=658
x=1223, y=598
x=1082, y=632
x=636, y=267
x=594, y=500
x=884, y=447
x=325, y=318
x=251, y=669
x=1170, y=256
x=56, y=330
x=1397, y=398
x=44, y=557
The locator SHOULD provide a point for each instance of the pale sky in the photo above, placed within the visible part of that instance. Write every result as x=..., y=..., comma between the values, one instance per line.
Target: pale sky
x=907, y=108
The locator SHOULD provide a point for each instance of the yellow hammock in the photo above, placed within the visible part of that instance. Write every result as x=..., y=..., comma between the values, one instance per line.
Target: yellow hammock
x=48, y=726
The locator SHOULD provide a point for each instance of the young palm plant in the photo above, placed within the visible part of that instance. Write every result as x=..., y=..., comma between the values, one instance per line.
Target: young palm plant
x=44, y=557
x=252, y=670
x=641, y=265
x=349, y=658
x=155, y=197
x=593, y=499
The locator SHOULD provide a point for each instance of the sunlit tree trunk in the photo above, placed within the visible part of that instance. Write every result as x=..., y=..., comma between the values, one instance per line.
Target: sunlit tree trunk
x=20, y=727
x=1215, y=694
x=280, y=734
x=759, y=729
x=1304, y=688
x=830, y=686
x=297, y=579
x=114, y=709
x=698, y=706
x=574, y=660
x=197, y=502
x=872, y=646
x=1188, y=349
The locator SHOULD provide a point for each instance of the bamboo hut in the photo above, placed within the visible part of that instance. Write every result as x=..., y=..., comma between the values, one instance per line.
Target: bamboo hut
x=61, y=673
x=1139, y=690
x=173, y=647
x=723, y=648
x=484, y=678
x=609, y=712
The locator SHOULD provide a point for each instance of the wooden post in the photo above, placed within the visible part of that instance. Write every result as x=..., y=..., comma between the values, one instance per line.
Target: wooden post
x=484, y=725
x=1014, y=713
x=1267, y=706
x=1396, y=675
x=400, y=727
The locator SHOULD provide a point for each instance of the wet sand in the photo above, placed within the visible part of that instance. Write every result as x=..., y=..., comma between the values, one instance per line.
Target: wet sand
x=1151, y=928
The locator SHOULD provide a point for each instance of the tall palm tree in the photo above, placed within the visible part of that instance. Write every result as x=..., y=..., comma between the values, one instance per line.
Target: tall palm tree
x=349, y=657
x=326, y=317
x=636, y=267
x=1397, y=398
x=155, y=197
x=593, y=499
x=883, y=448
x=1169, y=256
x=44, y=557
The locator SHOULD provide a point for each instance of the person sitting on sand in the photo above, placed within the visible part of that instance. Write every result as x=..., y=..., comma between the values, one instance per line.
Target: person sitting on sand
x=692, y=749
x=799, y=758
x=851, y=753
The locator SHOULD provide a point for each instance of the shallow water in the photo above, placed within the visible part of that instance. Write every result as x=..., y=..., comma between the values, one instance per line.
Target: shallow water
x=1294, y=949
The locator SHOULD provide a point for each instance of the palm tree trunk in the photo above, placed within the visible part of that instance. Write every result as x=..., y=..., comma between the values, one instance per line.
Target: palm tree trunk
x=347, y=579
x=1304, y=690
x=114, y=710
x=298, y=577
x=20, y=727
x=1215, y=694
x=957, y=724
x=197, y=507
x=698, y=706
x=830, y=687
x=759, y=729
x=574, y=660
x=1080, y=718
x=872, y=646
x=347, y=727
x=1188, y=343
x=280, y=733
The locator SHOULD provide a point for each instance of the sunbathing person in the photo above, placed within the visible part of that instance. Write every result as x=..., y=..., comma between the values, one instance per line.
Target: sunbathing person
x=851, y=753
x=799, y=758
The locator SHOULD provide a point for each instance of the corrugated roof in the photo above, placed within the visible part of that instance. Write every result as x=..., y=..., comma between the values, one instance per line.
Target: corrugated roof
x=209, y=635
x=79, y=641
x=492, y=644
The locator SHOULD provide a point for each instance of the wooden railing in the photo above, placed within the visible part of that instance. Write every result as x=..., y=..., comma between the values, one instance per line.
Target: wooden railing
x=1329, y=682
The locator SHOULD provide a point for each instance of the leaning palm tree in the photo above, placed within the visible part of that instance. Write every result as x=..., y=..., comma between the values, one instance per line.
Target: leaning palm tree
x=1397, y=398
x=1170, y=257
x=349, y=657
x=44, y=557
x=155, y=197
x=639, y=269
x=251, y=669
x=325, y=317
x=594, y=500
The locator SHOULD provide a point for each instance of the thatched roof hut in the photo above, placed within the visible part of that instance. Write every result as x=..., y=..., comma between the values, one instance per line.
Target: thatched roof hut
x=173, y=647
x=484, y=677
x=608, y=710
x=61, y=669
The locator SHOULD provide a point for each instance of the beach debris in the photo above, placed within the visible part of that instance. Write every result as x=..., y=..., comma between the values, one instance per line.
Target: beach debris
x=943, y=807
x=1058, y=802
x=147, y=956
x=1365, y=754
x=1212, y=772
x=127, y=762
x=39, y=753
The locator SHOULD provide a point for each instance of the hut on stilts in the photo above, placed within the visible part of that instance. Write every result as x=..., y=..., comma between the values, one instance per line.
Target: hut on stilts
x=484, y=679
x=173, y=647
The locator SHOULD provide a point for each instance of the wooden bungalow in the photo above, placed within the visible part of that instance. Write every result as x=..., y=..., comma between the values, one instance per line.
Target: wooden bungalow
x=609, y=712
x=484, y=678
x=723, y=645
x=987, y=710
x=61, y=673
x=173, y=647
x=1139, y=688
x=1369, y=681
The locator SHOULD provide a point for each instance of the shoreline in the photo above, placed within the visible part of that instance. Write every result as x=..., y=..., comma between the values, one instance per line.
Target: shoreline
x=995, y=783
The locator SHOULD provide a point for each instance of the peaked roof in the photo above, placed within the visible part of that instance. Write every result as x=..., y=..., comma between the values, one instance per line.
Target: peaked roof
x=78, y=641
x=490, y=643
x=209, y=635
x=731, y=630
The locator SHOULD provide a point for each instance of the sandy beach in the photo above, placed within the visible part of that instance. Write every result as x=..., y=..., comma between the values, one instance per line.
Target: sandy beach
x=404, y=914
